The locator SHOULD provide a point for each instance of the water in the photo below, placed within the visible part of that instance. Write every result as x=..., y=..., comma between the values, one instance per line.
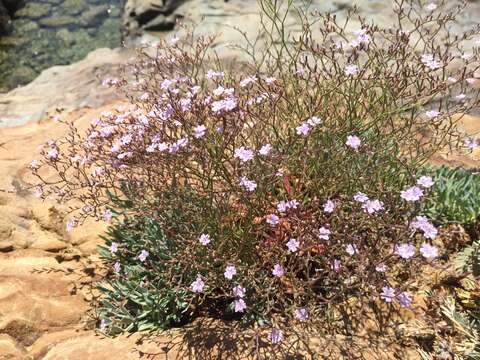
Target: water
x=56, y=32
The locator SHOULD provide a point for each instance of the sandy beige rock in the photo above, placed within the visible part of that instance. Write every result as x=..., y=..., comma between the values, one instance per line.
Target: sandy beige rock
x=10, y=349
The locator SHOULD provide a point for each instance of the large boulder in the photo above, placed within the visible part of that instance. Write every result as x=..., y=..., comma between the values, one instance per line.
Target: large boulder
x=156, y=15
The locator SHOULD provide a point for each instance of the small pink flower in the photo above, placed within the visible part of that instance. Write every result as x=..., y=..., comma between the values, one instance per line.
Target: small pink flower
x=303, y=129
x=239, y=291
x=431, y=114
x=113, y=247
x=351, y=249
x=277, y=270
x=244, y=154
x=329, y=206
x=240, y=305
x=265, y=149
x=425, y=181
x=275, y=336
x=272, y=219
x=381, y=268
x=204, y=239
x=405, y=251
x=429, y=251
x=230, y=271
x=143, y=255
x=430, y=7
x=293, y=245
x=249, y=185
x=198, y=285
x=301, y=314
x=360, y=197
x=323, y=233
x=413, y=193
x=353, y=141
x=351, y=69
x=314, y=120
x=199, y=131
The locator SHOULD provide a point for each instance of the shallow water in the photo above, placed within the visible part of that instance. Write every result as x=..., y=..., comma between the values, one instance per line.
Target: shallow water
x=55, y=32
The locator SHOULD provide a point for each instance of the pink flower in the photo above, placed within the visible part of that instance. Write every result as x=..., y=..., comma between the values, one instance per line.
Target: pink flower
x=270, y=80
x=429, y=251
x=52, y=153
x=430, y=7
x=360, y=197
x=351, y=69
x=34, y=165
x=351, y=249
x=198, y=285
x=293, y=245
x=117, y=267
x=240, y=305
x=425, y=181
x=387, y=294
x=277, y=270
x=113, y=247
x=249, y=185
x=244, y=154
x=230, y=271
x=272, y=219
x=265, y=149
x=431, y=114
x=143, y=255
x=372, y=206
x=336, y=265
x=204, y=239
x=212, y=74
x=413, y=193
x=353, y=141
x=248, y=80
x=405, y=251
x=199, y=131
x=422, y=223
x=227, y=104
x=405, y=299
x=314, y=120
x=239, y=291
x=275, y=336
x=323, y=233
x=301, y=314
x=329, y=206
x=303, y=129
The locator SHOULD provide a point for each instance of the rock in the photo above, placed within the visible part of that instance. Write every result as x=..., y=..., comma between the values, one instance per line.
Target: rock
x=22, y=75
x=90, y=17
x=34, y=10
x=66, y=36
x=70, y=86
x=10, y=349
x=151, y=14
x=58, y=21
x=74, y=7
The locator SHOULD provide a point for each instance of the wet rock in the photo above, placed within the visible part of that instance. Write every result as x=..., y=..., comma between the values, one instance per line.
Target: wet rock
x=22, y=75
x=58, y=21
x=34, y=10
x=74, y=7
x=90, y=17
x=65, y=36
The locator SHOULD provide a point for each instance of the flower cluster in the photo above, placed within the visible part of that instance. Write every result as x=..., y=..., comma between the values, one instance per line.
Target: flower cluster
x=272, y=183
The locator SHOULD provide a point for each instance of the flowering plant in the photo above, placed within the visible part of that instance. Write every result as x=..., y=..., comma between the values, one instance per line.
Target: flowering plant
x=283, y=189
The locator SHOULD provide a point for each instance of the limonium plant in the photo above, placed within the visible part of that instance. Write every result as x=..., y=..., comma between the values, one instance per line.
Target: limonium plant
x=285, y=185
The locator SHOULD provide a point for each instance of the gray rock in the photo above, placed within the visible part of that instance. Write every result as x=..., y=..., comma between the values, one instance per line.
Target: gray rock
x=90, y=17
x=34, y=10
x=58, y=21
x=74, y=7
